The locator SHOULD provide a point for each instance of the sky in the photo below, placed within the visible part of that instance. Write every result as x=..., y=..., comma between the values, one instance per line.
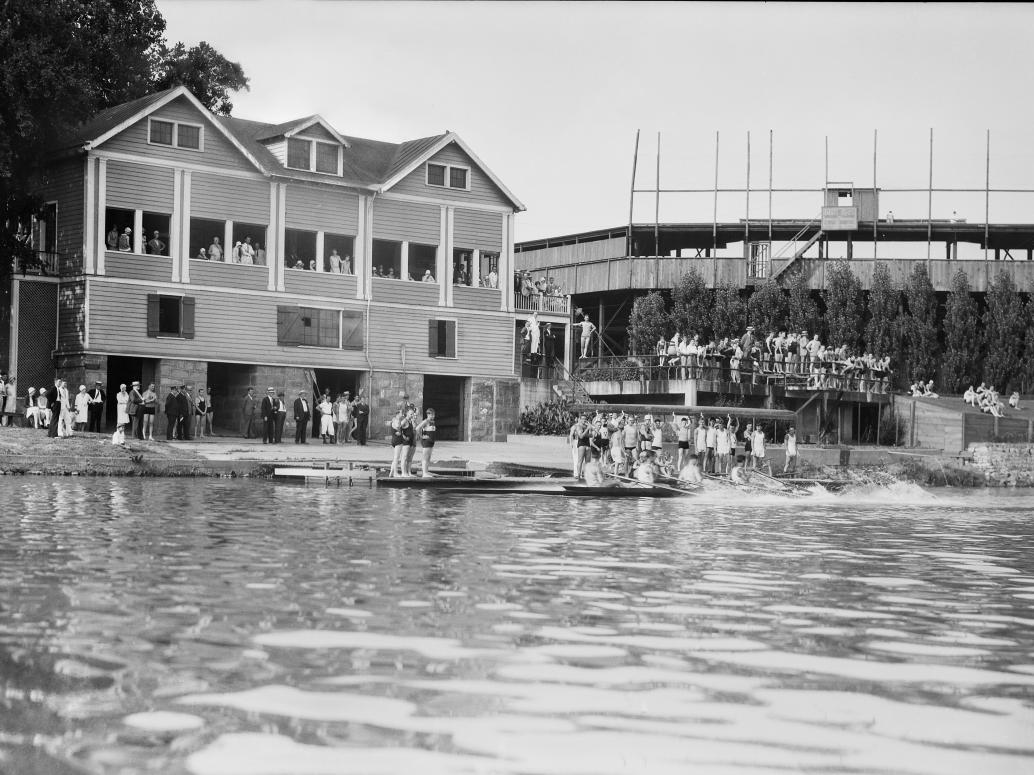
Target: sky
x=551, y=95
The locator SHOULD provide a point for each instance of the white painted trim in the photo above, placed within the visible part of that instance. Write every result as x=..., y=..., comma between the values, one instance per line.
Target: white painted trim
x=133, y=158
x=404, y=261
x=441, y=264
x=179, y=91
x=86, y=313
x=272, y=253
x=450, y=225
x=447, y=139
x=228, y=242
x=175, y=134
x=90, y=216
x=97, y=261
x=320, y=241
x=317, y=119
x=506, y=263
x=396, y=197
x=359, y=249
x=12, y=350
x=448, y=175
x=182, y=248
x=281, y=234
x=138, y=234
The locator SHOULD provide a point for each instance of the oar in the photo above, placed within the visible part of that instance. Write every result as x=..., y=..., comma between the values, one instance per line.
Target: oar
x=783, y=486
x=662, y=486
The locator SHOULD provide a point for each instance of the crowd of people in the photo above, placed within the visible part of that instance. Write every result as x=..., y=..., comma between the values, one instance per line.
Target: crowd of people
x=627, y=447
x=988, y=401
x=406, y=429
x=242, y=252
x=544, y=294
x=781, y=354
x=340, y=420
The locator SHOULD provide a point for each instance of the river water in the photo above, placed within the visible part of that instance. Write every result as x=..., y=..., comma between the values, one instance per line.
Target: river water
x=222, y=627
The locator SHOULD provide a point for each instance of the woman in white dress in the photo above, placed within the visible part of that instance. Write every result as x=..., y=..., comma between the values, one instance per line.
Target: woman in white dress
x=343, y=417
x=82, y=408
x=326, y=410
x=122, y=406
x=64, y=423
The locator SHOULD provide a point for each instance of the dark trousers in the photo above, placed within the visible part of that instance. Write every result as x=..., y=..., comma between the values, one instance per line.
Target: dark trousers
x=129, y=426
x=186, y=430
x=248, y=424
x=269, y=430
x=301, y=427
x=360, y=430
x=170, y=430
x=278, y=436
x=55, y=415
x=93, y=417
x=138, y=421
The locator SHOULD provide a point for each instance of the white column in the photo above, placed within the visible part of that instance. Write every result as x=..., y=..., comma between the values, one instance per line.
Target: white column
x=227, y=241
x=475, y=268
x=272, y=254
x=359, y=248
x=90, y=232
x=440, y=271
x=138, y=231
x=404, y=261
x=94, y=260
x=568, y=347
x=447, y=278
x=319, y=250
x=368, y=251
x=506, y=264
x=179, y=235
x=281, y=219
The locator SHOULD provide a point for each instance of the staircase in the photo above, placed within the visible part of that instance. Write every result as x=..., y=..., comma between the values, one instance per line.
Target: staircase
x=799, y=253
x=571, y=389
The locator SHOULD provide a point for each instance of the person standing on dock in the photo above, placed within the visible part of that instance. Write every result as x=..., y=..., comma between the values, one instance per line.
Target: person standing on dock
x=269, y=417
x=281, y=418
x=791, y=451
x=427, y=431
x=248, y=413
x=302, y=415
x=96, y=410
x=172, y=411
x=361, y=413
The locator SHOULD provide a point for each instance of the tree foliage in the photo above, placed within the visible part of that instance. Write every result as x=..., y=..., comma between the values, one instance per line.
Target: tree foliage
x=1027, y=363
x=729, y=313
x=692, y=301
x=647, y=323
x=802, y=312
x=1003, y=333
x=921, y=356
x=843, y=298
x=766, y=307
x=208, y=74
x=884, y=300
x=961, y=363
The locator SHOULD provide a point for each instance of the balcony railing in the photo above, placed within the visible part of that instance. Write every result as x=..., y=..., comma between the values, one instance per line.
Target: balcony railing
x=541, y=302
x=804, y=375
x=43, y=264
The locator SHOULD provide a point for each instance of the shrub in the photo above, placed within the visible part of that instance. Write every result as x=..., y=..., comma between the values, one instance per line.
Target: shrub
x=549, y=418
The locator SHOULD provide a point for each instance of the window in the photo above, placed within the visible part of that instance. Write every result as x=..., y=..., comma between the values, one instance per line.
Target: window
x=300, y=249
x=170, y=316
x=203, y=234
x=441, y=338
x=116, y=222
x=448, y=176
x=489, y=277
x=422, y=259
x=156, y=233
x=316, y=327
x=387, y=258
x=175, y=133
x=343, y=245
x=462, y=267
x=161, y=132
x=253, y=234
x=326, y=158
x=298, y=153
x=48, y=228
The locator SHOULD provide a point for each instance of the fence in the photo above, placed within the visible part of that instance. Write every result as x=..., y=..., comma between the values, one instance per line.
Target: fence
x=540, y=302
x=43, y=264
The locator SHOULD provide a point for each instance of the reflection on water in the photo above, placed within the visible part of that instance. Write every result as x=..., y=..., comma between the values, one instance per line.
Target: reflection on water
x=217, y=627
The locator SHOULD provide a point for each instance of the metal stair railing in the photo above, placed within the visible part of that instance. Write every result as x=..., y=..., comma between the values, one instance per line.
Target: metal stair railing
x=579, y=395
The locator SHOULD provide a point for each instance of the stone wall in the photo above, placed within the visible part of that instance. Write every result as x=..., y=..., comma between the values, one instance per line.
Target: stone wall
x=384, y=393
x=1006, y=465
x=493, y=408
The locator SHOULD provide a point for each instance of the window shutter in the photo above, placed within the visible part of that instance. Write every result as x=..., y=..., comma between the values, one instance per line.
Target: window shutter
x=187, y=317
x=450, y=339
x=432, y=338
x=152, y=314
x=288, y=326
x=352, y=330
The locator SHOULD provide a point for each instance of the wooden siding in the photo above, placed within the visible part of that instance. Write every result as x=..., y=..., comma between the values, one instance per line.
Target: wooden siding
x=407, y=292
x=465, y=297
x=318, y=132
x=278, y=149
x=980, y=273
x=215, y=273
x=569, y=254
x=219, y=151
x=482, y=189
x=139, y=187
x=229, y=199
x=410, y=221
x=133, y=266
x=478, y=229
x=71, y=316
x=335, y=286
x=322, y=209
x=243, y=328
x=64, y=184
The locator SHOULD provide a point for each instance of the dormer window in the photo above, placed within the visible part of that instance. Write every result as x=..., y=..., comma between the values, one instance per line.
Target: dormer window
x=313, y=155
x=448, y=176
x=174, y=133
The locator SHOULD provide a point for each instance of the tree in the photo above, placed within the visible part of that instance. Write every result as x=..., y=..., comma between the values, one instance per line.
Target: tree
x=729, y=313
x=802, y=313
x=1027, y=364
x=766, y=307
x=961, y=363
x=647, y=323
x=843, y=298
x=691, y=305
x=921, y=357
x=1003, y=333
x=884, y=300
x=209, y=75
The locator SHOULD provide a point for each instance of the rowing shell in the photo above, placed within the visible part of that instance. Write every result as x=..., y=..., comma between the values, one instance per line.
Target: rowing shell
x=622, y=491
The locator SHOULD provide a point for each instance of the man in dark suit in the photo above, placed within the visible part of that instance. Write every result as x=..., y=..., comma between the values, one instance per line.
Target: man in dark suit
x=136, y=412
x=186, y=414
x=95, y=411
x=248, y=414
x=172, y=412
x=269, y=417
x=281, y=417
x=361, y=413
x=302, y=413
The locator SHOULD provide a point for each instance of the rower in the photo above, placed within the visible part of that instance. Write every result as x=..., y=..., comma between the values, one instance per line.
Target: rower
x=738, y=474
x=644, y=473
x=593, y=471
x=691, y=472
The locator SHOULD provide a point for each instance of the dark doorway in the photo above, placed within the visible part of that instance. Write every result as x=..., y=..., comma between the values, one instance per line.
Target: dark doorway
x=228, y=383
x=445, y=396
x=337, y=381
x=867, y=424
x=123, y=370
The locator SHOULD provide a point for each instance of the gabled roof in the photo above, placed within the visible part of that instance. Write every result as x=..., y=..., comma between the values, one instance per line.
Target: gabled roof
x=415, y=157
x=291, y=128
x=410, y=152
x=106, y=120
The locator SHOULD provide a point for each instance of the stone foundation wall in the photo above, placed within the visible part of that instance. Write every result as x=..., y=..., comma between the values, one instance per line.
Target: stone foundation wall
x=385, y=392
x=1006, y=465
x=493, y=408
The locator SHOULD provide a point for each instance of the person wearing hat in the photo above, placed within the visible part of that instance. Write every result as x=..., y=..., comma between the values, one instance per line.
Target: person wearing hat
x=186, y=413
x=82, y=409
x=268, y=412
x=155, y=246
x=96, y=411
x=361, y=414
x=31, y=409
x=248, y=413
x=343, y=417
x=302, y=415
x=136, y=402
x=125, y=240
x=281, y=417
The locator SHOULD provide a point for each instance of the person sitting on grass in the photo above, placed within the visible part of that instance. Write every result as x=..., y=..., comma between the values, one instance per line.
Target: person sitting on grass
x=1014, y=400
x=928, y=390
x=118, y=438
x=970, y=396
